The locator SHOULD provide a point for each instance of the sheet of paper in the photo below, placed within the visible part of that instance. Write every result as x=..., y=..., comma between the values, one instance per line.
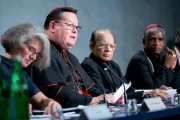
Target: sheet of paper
x=171, y=92
x=145, y=90
x=119, y=92
x=40, y=117
x=73, y=108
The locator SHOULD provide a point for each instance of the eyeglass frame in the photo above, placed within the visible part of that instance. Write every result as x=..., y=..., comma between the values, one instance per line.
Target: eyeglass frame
x=33, y=50
x=72, y=26
x=104, y=46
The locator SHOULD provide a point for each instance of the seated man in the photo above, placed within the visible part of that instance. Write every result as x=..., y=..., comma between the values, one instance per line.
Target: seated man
x=65, y=80
x=151, y=68
x=102, y=46
x=32, y=45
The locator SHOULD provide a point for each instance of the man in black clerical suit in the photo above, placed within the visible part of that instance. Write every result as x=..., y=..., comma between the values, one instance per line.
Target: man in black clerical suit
x=152, y=67
x=65, y=80
x=102, y=46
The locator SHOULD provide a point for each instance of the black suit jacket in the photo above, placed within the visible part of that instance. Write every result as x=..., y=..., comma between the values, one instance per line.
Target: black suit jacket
x=177, y=68
x=59, y=73
x=95, y=69
x=145, y=73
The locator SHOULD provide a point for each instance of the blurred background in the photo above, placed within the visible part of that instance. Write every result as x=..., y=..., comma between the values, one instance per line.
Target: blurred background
x=125, y=18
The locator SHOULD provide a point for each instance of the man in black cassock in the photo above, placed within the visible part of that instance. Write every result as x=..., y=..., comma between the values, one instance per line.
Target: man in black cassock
x=102, y=46
x=65, y=80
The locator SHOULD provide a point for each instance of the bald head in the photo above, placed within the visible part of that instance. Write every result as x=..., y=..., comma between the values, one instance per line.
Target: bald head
x=99, y=34
x=102, y=44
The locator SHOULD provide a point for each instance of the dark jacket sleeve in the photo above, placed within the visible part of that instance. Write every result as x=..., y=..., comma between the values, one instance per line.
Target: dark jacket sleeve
x=47, y=80
x=135, y=95
x=138, y=73
x=176, y=80
x=95, y=76
x=93, y=89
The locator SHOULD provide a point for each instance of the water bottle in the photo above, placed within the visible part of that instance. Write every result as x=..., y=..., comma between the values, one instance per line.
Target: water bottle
x=19, y=99
x=4, y=95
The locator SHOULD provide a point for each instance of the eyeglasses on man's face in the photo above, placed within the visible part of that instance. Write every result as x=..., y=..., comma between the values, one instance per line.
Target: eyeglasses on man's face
x=32, y=50
x=70, y=26
x=104, y=46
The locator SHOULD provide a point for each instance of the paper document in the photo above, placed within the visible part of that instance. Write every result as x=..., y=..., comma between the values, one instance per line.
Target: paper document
x=171, y=92
x=145, y=90
x=119, y=92
x=40, y=117
x=73, y=108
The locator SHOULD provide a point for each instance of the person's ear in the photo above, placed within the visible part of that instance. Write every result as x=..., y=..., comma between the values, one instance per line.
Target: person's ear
x=52, y=26
x=91, y=46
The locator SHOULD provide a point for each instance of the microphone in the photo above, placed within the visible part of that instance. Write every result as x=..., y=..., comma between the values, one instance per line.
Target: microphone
x=104, y=94
x=165, y=67
x=106, y=67
x=161, y=66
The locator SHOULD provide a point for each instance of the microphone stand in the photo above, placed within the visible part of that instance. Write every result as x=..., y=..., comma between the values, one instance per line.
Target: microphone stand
x=125, y=94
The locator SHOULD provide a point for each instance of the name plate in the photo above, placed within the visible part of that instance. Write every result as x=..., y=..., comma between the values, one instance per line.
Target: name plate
x=95, y=112
x=152, y=104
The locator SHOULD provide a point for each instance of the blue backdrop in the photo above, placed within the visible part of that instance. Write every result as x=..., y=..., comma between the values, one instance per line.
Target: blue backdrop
x=125, y=18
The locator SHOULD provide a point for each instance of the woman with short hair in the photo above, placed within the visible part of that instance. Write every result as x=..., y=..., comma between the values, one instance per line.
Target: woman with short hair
x=29, y=42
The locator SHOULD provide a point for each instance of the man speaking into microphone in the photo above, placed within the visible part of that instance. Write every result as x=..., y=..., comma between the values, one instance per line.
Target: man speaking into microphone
x=103, y=70
x=61, y=27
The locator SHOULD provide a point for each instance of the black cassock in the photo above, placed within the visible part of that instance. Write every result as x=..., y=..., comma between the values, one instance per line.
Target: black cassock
x=95, y=69
x=65, y=79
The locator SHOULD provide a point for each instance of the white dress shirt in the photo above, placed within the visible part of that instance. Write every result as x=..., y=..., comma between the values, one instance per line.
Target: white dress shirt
x=178, y=54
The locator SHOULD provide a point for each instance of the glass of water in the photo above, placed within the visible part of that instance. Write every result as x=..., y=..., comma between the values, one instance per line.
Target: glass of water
x=132, y=106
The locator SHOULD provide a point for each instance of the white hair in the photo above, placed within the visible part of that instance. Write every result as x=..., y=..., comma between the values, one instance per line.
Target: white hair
x=15, y=37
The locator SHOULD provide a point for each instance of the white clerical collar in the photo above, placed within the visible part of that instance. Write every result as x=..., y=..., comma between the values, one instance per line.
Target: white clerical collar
x=178, y=53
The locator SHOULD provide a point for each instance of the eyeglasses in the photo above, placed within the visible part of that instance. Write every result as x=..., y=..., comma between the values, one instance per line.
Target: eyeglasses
x=33, y=51
x=104, y=46
x=71, y=26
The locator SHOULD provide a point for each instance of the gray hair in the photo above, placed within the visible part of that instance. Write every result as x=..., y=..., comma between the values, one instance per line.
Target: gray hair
x=153, y=29
x=15, y=37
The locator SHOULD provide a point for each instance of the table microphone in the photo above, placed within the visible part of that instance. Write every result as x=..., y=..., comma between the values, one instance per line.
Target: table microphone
x=165, y=68
x=172, y=71
x=104, y=96
x=106, y=67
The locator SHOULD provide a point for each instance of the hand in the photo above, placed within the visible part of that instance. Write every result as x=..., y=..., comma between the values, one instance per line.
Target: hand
x=30, y=109
x=51, y=105
x=159, y=93
x=110, y=98
x=120, y=100
x=170, y=59
x=163, y=87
